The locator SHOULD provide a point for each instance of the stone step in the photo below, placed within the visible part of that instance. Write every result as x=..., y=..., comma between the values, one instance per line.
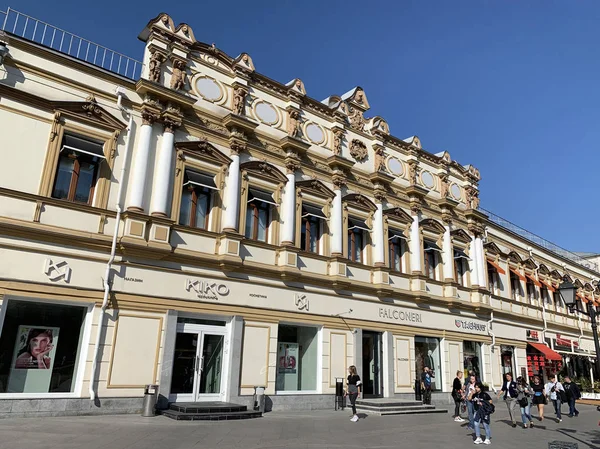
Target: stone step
x=414, y=412
x=387, y=403
x=206, y=407
x=182, y=416
x=395, y=409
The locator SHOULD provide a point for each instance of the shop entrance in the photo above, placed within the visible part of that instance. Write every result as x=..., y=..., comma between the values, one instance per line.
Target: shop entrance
x=197, y=363
x=372, y=355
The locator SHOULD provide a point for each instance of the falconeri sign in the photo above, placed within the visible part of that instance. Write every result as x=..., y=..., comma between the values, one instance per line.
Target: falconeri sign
x=400, y=315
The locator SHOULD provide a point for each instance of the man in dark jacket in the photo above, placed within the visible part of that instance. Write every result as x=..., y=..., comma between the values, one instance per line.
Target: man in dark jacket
x=573, y=394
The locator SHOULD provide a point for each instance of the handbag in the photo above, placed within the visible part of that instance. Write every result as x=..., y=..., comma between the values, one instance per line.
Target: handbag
x=562, y=396
x=524, y=402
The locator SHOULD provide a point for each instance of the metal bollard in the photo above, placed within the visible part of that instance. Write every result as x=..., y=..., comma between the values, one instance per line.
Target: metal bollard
x=259, y=399
x=150, y=397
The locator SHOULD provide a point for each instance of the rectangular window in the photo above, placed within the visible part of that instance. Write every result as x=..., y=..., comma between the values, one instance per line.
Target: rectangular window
x=40, y=347
x=356, y=239
x=432, y=252
x=196, y=200
x=531, y=296
x=492, y=280
x=310, y=231
x=515, y=287
x=461, y=266
x=397, y=248
x=258, y=215
x=297, y=358
x=77, y=170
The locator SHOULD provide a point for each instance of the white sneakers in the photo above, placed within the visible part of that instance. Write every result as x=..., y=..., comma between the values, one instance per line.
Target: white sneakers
x=487, y=441
x=354, y=418
x=458, y=419
x=480, y=441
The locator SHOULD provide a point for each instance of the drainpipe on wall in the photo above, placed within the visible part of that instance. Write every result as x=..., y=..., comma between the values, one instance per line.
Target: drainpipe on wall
x=107, y=285
x=492, y=346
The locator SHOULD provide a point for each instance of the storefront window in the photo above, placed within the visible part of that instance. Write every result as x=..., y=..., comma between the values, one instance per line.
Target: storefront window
x=297, y=355
x=427, y=353
x=506, y=356
x=472, y=358
x=39, y=347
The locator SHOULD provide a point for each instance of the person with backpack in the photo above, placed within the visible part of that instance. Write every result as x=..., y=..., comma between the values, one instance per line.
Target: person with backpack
x=556, y=392
x=525, y=392
x=426, y=377
x=510, y=393
x=483, y=409
x=573, y=393
x=457, y=395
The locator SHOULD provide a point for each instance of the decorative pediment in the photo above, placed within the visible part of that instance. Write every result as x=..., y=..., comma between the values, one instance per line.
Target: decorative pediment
x=359, y=201
x=577, y=283
x=530, y=263
x=588, y=287
x=162, y=24
x=264, y=170
x=414, y=141
x=297, y=86
x=88, y=111
x=543, y=269
x=315, y=187
x=185, y=34
x=336, y=104
x=379, y=125
x=444, y=157
x=555, y=274
x=203, y=150
x=461, y=235
x=433, y=225
x=244, y=63
x=398, y=214
x=492, y=248
x=567, y=277
x=514, y=257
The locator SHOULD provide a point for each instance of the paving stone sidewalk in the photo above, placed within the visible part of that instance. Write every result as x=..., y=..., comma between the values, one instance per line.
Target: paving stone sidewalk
x=291, y=430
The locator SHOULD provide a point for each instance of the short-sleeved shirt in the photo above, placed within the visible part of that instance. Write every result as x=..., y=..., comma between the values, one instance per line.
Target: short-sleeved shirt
x=353, y=383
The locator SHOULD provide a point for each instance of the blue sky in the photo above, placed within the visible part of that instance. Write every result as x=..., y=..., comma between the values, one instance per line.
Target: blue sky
x=510, y=87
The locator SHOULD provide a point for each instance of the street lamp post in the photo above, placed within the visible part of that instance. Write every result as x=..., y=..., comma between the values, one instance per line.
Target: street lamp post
x=568, y=292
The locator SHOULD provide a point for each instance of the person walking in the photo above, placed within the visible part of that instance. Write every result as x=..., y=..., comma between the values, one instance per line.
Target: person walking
x=353, y=390
x=510, y=393
x=469, y=391
x=457, y=395
x=483, y=409
x=573, y=393
x=553, y=390
x=539, y=396
x=524, y=393
x=426, y=385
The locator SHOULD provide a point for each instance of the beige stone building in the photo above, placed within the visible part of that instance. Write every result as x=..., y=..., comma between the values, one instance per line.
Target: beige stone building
x=189, y=222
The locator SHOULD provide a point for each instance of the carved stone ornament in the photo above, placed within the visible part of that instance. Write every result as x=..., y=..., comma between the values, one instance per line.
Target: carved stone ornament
x=239, y=100
x=293, y=123
x=171, y=123
x=338, y=136
x=154, y=66
x=379, y=160
x=57, y=271
x=338, y=180
x=178, y=76
x=356, y=118
x=301, y=301
x=444, y=185
x=358, y=150
x=91, y=106
x=148, y=117
x=412, y=172
x=472, y=197
x=292, y=163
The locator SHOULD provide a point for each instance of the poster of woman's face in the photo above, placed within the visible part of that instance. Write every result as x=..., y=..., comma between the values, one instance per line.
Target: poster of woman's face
x=35, y=347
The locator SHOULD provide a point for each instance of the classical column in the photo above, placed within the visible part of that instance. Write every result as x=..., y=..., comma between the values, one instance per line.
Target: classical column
x=480, y=261
x=140, y=164
x=289, y=203
x=448, y=253
x=161, y=200
x=232, y=193
x=337, y=248
x=415, y=242
x=378, y=234
x=474, y=265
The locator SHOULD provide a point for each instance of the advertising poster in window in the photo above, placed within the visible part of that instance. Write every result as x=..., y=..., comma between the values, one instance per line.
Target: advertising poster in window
x=287, y=366
x=33, y=359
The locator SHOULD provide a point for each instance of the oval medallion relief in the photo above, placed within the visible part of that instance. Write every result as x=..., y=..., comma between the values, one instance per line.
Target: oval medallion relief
x=427, y=179
x=266, y=113
x=394, y=166
x=209, y=89
x=455, y=191
x=315, y=133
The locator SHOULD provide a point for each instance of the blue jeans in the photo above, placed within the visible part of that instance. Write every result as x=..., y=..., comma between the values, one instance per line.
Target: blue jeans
x=526, y=414
x=557, y=405
x=572, y=409
x=486, y=426
x=471, y=412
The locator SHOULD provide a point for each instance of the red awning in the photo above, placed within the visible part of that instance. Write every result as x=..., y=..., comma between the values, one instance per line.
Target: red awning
x=548, y=353
x=548, y=285
x=519, y=275
x=534, y=280
x=497, y=267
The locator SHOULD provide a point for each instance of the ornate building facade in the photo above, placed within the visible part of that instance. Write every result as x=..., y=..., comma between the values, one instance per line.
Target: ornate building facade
x=207, y=229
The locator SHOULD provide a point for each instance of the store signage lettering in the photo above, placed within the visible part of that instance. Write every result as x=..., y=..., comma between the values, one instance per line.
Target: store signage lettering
x=57, y=271
x=400, y=315
x=206, y=289
x=532, y=335
x=301, y=301
x=470, y=325
x=136, y=280
x=565, y=343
